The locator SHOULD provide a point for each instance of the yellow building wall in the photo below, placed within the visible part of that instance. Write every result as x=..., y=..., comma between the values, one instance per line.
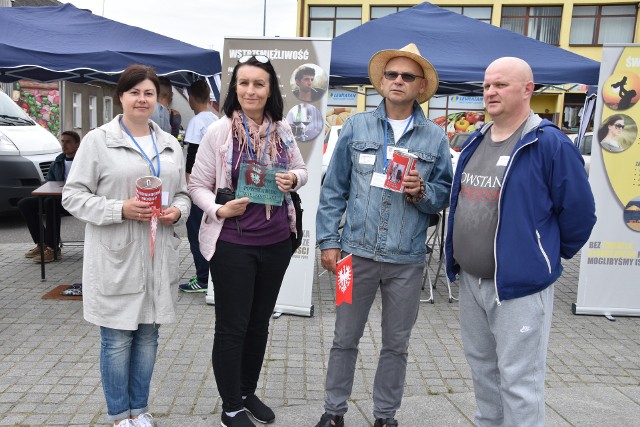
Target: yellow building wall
x=551, y=101
x=594, y=52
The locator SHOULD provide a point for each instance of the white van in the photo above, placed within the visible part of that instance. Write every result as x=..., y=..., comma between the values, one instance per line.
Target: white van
x=26, y=152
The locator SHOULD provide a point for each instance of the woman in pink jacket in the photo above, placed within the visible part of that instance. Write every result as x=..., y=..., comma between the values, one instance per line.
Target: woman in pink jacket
x=247, y=240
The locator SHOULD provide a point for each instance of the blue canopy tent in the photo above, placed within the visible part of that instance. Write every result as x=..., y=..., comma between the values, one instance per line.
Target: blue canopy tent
x=460, y=48
x=66, y=43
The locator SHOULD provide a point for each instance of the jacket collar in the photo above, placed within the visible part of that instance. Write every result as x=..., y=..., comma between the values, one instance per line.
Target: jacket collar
x=115, y=136
x=419, y=119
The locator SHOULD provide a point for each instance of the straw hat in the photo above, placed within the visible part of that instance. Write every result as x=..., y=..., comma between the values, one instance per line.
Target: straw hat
x=379, y=60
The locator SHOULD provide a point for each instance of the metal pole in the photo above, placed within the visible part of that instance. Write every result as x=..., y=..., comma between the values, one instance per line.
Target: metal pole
x=264, y=19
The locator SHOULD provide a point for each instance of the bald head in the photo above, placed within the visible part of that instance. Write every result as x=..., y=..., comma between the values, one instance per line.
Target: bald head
x=508, y=87
x=517, y=67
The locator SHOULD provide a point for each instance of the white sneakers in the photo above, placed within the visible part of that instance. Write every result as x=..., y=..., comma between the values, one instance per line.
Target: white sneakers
x=143, y=420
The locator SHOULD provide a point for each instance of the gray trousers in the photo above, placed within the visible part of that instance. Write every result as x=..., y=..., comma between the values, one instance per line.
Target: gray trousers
x=506, y=348
x=400, y=286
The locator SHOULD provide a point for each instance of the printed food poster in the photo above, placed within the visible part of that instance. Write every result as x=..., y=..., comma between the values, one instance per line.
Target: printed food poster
x=41, y=101
x=463, y=121
x=610, y=261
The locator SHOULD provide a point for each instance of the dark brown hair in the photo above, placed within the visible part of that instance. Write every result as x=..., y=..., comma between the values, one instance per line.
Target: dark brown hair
x=305, y=71
x=73, y=135
x=604, y=129
x=133, y=75
x=199, y=90
x=274, y=106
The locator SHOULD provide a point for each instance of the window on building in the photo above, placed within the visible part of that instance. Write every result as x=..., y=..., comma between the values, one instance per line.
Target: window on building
x=480, y=13
x=93, y=112
x=540, y=23
x=325, y=21
x=596, y=25
x=382, y=11
x=107, y=110
x=77, y=110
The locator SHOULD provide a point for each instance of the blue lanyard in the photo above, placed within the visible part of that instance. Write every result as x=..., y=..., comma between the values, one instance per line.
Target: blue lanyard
x=386, y=125
x=251, y=152
x=157, y=174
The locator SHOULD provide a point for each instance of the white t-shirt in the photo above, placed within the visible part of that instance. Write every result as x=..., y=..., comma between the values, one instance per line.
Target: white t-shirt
x=198, y=126
x=67, y=167
x=399, y=126
x=145, y=142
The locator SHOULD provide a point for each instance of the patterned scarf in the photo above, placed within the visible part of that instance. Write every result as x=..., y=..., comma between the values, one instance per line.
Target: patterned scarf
x=258, y=135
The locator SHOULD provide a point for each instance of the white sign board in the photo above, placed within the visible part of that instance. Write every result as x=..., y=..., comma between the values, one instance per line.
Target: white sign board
x=610, y=261
x=294, y=58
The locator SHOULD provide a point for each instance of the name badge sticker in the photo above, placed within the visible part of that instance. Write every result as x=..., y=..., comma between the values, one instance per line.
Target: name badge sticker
x=367, y=159
x=165, y=198
x=503, y=160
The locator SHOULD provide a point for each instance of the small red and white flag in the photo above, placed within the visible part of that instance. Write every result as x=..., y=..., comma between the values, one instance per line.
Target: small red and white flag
x=344, y=280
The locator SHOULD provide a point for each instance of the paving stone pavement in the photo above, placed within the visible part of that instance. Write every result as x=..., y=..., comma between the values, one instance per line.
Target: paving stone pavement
x=49, y=359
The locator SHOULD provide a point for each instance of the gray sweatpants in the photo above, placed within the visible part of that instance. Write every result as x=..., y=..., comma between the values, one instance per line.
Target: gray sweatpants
x=400, y=288
x=506, y=348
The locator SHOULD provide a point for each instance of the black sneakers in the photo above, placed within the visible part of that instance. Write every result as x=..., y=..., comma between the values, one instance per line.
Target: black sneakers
x=258, y=410
x=241, y=419
x=328, y=420
x=386, y=422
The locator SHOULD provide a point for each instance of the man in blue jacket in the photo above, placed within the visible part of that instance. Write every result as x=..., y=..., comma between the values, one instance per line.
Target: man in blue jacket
x=520, y=201
x=28, y=206
x=384, y=230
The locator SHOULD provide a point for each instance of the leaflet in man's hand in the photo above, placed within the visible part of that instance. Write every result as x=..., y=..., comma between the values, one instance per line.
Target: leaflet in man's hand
x=401, y=164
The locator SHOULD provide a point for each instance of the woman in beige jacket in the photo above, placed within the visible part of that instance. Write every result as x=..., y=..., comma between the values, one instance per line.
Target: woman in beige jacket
x=126, y=291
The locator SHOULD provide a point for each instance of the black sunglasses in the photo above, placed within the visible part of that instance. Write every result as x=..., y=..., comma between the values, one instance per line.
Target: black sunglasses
x=618, y=125
x=406, y=77
x=260, y=58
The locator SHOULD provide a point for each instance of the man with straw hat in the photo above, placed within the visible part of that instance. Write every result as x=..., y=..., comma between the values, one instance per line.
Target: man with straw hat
x=385, y=231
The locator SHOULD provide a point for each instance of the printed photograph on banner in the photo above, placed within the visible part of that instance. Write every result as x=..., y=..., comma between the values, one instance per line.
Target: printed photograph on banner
x=305, y=121
x=344, y=281
x=632, y=214
x=621, y=91
x=617, y=133
x=309, y=82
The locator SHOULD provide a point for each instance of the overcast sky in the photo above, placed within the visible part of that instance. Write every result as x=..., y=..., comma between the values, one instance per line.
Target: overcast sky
x=204, y=23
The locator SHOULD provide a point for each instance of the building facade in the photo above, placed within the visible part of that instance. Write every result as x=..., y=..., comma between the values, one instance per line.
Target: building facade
x=581, y=27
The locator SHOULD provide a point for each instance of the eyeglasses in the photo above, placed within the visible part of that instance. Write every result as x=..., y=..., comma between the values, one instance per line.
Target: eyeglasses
x=406, y=77
x=260, y=58
x=618, y=126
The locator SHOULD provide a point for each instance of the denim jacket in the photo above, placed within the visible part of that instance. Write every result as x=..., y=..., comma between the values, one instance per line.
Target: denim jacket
x=380, y=224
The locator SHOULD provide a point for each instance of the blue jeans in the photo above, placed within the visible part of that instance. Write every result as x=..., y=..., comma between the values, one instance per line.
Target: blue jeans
x=193, y=229
x=126, y=365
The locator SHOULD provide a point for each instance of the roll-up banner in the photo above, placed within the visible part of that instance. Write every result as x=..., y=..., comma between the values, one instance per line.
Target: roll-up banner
x=609, y=281
x=302, y=65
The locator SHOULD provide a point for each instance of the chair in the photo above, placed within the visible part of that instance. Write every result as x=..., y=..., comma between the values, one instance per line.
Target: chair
x=435, y=239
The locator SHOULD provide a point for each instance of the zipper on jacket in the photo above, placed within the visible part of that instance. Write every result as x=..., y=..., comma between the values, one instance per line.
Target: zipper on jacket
x=495, y=238
x=544, y=254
